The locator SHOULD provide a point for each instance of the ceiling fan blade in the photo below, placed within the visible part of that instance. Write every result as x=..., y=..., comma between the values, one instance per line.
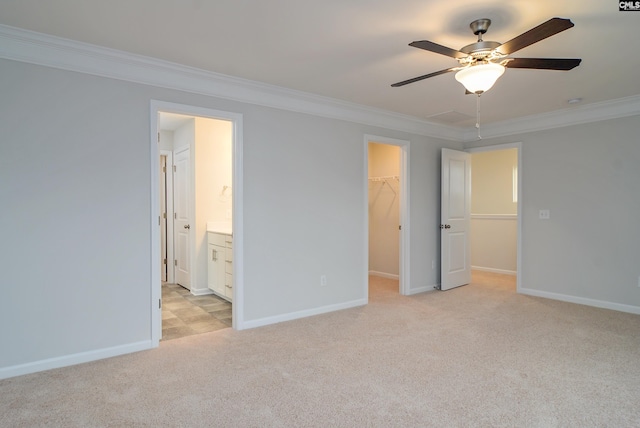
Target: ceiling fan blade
x=426, y=76
x=544, y=63
x=434, y=47
x=541, y=32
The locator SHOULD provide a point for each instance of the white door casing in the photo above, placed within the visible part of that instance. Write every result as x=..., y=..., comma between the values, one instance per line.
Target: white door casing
x=168, y=209
x=455, y=219
x=163, y=217
x=182, y=216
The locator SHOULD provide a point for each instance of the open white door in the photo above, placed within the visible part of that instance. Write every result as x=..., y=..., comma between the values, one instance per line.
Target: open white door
x=182, y=222
x=455, y=253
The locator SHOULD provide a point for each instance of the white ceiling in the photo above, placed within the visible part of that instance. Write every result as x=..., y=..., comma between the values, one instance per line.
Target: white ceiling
x=354, y=50
x=172, y=121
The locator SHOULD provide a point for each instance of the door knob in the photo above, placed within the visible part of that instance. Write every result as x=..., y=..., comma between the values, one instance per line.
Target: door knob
x=186, y=226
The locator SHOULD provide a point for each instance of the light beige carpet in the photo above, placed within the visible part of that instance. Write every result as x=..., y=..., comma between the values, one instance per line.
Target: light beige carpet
x=479, y=355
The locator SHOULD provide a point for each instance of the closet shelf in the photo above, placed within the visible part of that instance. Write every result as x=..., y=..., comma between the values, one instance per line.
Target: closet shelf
x=385, y=178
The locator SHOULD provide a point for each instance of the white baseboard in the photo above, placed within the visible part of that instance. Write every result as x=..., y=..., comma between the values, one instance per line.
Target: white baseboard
x=581, y=300
x=493, y=270
x=302, y=314
x=201, y=292
x=384, y=274
x=70, y=360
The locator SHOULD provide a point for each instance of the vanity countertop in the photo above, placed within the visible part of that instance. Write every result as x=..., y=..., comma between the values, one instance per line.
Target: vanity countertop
x=224, y=228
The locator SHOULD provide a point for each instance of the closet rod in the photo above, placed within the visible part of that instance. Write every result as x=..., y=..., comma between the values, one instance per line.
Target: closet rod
x=385, y=178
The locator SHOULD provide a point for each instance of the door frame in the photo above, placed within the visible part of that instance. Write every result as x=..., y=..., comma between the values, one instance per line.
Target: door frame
x=156, y=107
x=496, y=147
x=404, y=246
x=169, y=208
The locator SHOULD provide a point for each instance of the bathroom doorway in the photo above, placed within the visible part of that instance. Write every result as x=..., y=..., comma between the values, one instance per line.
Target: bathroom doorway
x=204, y=201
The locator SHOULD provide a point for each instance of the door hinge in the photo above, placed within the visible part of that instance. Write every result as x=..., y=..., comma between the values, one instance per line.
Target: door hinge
x=400, y=227
x=164, y=169
x=175, y=216
x=158, y=220
x=175, y=262
x=164, y=215
x=159, y=303
x=174, y=168
x=164, y=261
x=158, y=137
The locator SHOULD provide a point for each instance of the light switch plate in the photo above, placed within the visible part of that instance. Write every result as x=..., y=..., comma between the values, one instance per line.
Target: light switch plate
x=544, y=215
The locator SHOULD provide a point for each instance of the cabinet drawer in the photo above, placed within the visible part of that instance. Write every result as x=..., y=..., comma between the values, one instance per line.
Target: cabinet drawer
x=216, y=238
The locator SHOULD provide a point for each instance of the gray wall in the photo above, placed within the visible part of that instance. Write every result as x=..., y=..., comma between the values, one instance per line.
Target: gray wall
x=588, y=177
x=75, y=218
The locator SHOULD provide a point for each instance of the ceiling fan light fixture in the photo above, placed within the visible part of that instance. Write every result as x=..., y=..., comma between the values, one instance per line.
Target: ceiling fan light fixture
x=479, y=78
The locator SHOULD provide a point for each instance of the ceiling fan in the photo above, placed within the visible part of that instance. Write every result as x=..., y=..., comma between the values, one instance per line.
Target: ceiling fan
x=483, y=62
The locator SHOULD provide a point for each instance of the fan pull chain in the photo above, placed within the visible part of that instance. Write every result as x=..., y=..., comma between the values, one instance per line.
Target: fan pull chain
x=478, y=116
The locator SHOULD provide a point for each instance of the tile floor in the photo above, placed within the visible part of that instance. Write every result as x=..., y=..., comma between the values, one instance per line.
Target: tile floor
x=184, y=314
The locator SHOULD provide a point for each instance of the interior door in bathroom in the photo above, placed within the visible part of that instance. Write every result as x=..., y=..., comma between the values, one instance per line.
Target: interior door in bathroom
x=182, y=220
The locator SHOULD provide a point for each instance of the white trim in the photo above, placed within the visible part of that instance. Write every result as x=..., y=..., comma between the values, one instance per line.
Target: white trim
x=156, y=280
x=73, y=359
x=201, y=292
x=237, y=309
x=171, y=274
x=384, y=275
x=493, y=270
x=404, y=276
x=494, y=216
x=494, y=147
x=303, y=314
x=36, y=48
x=621, y=107
x=582, y=301
x=506, y=146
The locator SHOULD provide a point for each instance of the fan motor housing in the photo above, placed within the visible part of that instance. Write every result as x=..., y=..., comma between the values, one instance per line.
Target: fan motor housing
x=480, y=49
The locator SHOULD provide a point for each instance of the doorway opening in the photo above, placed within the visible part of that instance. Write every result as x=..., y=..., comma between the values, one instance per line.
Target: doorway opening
x=495, y=230
x=196, y=268
x=387, y=215
x=200, y=179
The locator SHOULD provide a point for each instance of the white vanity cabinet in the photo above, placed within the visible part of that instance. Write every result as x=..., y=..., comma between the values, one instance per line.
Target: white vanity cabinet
x=220, y=264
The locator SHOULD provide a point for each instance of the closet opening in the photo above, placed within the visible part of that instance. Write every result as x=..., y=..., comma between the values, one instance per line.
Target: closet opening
x=387, y=216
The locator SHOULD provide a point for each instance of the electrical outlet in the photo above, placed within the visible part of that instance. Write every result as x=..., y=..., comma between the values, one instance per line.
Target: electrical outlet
x=544, y=214
x=323, y=280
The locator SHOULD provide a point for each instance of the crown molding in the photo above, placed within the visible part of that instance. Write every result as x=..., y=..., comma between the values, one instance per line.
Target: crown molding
x=36, y=48
x=594, y=112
